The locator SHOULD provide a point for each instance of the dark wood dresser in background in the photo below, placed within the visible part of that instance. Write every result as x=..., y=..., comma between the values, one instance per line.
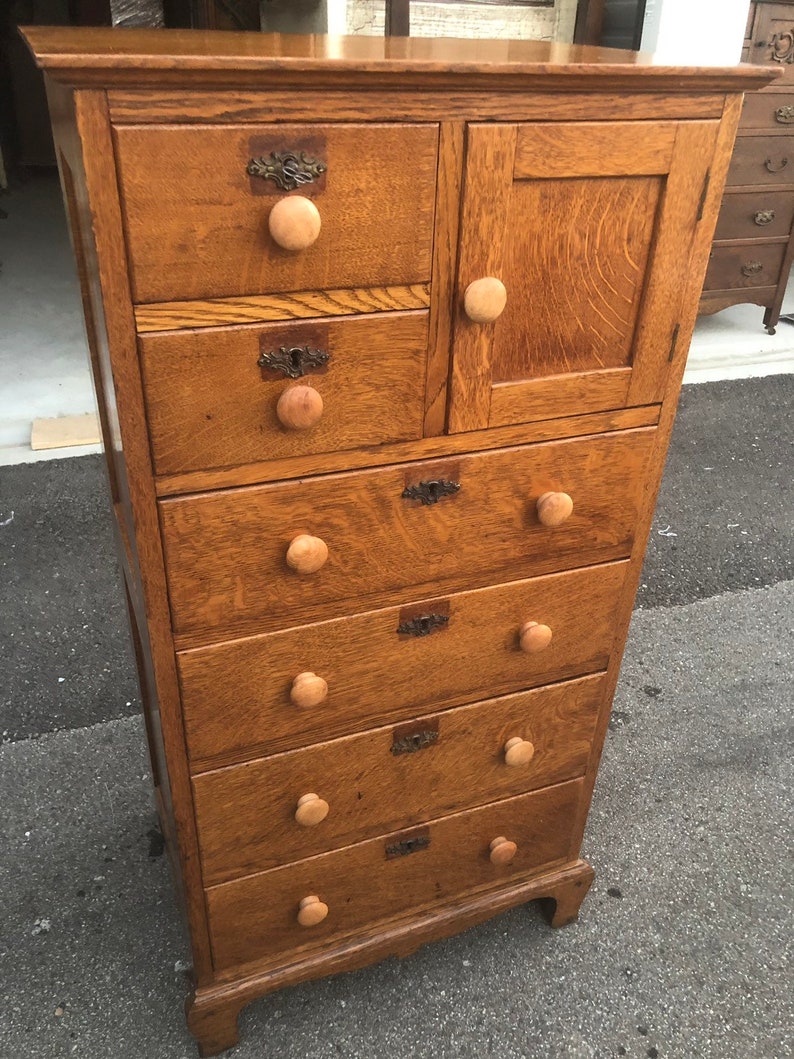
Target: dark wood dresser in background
x=754, y=242
x=388, y=338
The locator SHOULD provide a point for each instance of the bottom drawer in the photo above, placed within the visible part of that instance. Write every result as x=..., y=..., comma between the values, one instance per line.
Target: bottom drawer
x=256, y=918
x=744, y=266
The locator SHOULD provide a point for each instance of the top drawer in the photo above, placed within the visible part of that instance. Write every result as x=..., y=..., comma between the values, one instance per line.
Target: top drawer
x=197, y=221
x=768, y=110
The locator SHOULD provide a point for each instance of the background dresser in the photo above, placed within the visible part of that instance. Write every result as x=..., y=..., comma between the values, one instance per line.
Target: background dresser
x=387, y=338
x=754, y=240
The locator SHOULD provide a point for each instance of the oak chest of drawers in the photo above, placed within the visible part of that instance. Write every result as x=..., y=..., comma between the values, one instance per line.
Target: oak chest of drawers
x=754, y=240
x=387, y=339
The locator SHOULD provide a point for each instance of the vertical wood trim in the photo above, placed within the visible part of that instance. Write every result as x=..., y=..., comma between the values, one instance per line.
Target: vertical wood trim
x=398, y=18
x=697, y=261
x=670, y=268
x=490, y=159
x=442, y=288
x=98, y=156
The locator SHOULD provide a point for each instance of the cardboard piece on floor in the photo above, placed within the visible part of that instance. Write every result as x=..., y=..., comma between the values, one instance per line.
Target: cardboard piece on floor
x=64, y=432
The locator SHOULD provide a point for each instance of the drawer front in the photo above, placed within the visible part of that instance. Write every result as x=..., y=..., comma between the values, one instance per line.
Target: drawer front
x=768, y=110
x=391, y=778
x=389, y=877
x=754, y=214
x=226, y=552
x=762, y=160
x=218, y=397
x=198, y=224
x=238, y=701
x=734, y=267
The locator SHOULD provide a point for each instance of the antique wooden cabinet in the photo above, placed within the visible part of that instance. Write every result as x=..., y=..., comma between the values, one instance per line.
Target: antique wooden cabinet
x=387, y=338
x=754, y=240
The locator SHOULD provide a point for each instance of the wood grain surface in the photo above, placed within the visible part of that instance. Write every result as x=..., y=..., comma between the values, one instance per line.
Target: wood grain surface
x=756, y=265
x=210, y=404
x=196, y=222
x=766, y=160
x=760, y=214
x=246, y=814
x=237, y=695
x=296, y=305
x=226, y=552
x=256, y=917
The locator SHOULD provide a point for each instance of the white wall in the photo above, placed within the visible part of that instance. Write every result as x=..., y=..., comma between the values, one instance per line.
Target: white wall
x=696, y=32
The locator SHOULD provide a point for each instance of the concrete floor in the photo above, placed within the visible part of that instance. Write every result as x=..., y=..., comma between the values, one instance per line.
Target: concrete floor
x=683, y=949
x=43, y=357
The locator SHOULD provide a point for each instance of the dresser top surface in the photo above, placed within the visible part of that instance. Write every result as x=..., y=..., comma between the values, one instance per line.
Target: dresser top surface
x=129, y=57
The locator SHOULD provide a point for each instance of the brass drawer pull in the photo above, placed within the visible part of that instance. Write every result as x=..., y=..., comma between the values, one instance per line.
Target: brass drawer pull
x=423, y=625
x=429, y=493
x=764, y=217
x=785, y=115
x=752, y=268
x=287, y=169
x=293, y=361
x=774, y=167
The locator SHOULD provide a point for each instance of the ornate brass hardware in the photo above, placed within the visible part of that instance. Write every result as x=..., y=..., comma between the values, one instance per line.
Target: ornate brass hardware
x=428, y=493
x=423, y=625
x=752, y=268
x=785, y=115
x=406, y=846
x=409, y=744
x=764, y=217
x=773, y=167
x=293, y=361
x=287, y=169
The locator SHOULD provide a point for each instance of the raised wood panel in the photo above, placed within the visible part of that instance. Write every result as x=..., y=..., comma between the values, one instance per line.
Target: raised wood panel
x=237, y=694
x=574, y=272
x=226, y=552
x=587, y=149
x=197, y=223
x=363, y=885
x=246, y=814
x=538, y=399
x=210, y=404
x=297, y=305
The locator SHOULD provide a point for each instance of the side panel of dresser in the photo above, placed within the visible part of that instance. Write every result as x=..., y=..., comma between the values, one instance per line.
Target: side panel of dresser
x=86, y=160
x=754, y=242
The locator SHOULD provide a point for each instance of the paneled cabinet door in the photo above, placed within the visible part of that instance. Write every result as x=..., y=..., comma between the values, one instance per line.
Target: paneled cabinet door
x=587, y=227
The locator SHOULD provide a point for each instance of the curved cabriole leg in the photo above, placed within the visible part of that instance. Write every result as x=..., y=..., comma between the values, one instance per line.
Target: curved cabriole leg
x=213, y=1023
x=562, y=903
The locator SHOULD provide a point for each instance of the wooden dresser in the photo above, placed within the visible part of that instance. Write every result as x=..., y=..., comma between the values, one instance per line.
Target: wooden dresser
x=754, y=240
x=387, y=338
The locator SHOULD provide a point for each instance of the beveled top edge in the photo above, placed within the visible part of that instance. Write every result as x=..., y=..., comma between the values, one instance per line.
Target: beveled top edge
x=105, y=57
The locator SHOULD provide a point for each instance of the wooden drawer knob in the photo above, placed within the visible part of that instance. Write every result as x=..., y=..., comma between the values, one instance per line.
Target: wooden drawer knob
x=311, y=911
x=300, y=407
x=485, y=299
x=306, y=554
x=518, y=751
x=312, y=810
x=308, y=690
x=502, y=850
x=534, y=637
x=294, y=223
x=554, y=508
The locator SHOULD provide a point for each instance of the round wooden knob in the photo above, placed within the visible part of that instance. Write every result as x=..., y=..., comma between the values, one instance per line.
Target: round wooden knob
x=308, y=690
x=299, y=408
x=485, y=299
x=311, y=911
x=554, y=508
x=306, y=554
x=534, y=637
x=294, y=222
x=502, y=850
x=312, y=810
x=518, y=751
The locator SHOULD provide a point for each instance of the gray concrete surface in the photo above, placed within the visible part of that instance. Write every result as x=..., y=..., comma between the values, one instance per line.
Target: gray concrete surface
x=683, y=948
